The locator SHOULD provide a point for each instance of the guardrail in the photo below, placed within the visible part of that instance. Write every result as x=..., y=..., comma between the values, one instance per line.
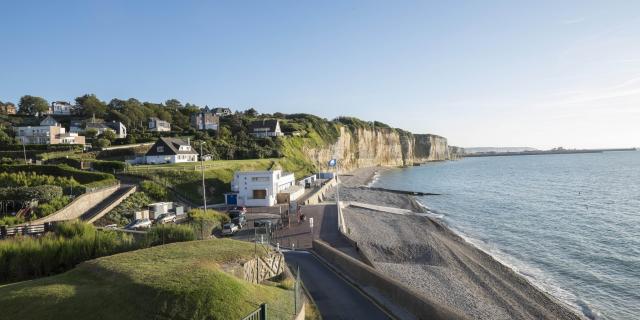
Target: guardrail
x=31, y=230
x=258, y=314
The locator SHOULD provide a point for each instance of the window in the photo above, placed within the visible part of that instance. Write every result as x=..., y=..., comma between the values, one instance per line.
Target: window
x=260, y=179
x=260, y=194
x=160, y=149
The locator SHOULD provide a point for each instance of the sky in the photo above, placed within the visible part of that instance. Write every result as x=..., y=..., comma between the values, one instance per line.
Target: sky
x=481, y=73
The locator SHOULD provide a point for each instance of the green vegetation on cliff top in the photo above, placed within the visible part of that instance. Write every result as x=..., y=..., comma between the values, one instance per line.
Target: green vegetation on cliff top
x=175, y=281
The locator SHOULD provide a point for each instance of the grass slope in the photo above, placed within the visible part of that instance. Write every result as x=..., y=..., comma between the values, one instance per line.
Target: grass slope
x=175, y=281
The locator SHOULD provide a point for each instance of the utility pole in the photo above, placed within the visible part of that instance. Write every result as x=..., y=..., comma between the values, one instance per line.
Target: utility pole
x=204, y=190
x=24, y=151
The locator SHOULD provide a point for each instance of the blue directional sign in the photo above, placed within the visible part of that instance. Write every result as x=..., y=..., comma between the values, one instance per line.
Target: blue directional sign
x=333, y=162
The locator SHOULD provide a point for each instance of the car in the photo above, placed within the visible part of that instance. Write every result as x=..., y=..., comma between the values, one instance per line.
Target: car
x=165, y=218
x=139, y=224
x=111, y=227
x=262, y=223
x=229, y=229
x=238, y=217
x=239, y=208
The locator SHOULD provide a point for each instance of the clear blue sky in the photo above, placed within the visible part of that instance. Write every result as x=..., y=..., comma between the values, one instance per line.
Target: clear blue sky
x=482, y=73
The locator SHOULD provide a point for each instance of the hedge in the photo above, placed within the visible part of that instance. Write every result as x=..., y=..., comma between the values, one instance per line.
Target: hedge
x=44, y=193
x=84, y=177
x=108, y=166
x=42, y=147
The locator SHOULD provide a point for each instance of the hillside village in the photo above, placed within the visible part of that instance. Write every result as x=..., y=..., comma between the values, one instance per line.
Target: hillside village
x=156, y=173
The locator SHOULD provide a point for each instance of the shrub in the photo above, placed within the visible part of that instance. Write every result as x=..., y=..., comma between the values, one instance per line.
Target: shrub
x=52, y=206
x=108, y=166
x=73, y=229
x=205, y=222
x=163, y=234
x=27, y=258
x=154, y=190
x=10, y=220
x=43, y=193
x=84, y=177
x=123, y=213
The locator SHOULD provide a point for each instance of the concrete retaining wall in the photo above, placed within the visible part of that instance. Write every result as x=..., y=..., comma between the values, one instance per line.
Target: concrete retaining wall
x=396, y=292
x=79, y=205
x=113, y=205
x=318, y=196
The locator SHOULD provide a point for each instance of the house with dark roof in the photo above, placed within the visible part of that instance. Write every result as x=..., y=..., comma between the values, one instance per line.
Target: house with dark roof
x=222, y=112
x=265, y=128
x=171, y=150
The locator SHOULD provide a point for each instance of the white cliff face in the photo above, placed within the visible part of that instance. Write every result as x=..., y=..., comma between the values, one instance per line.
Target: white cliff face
x=380, y=147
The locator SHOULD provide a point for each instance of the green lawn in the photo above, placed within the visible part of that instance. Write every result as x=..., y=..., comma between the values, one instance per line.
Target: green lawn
x=186, y=177
x=175, y=281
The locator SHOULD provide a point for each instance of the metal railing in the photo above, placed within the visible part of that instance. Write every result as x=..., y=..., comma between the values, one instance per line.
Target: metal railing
x=258, y=314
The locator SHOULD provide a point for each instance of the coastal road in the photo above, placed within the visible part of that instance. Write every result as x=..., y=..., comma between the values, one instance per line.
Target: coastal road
x=335, y=298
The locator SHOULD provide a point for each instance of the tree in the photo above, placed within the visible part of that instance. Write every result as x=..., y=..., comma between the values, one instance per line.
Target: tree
x=90, y=105
x=251, y=112
x=31, y=105
x=102, y=143
x=173, y=104
x=109, y=135
x=91, y=133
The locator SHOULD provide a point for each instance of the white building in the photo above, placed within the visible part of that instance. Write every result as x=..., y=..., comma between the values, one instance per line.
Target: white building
x=116, y=126
x=158, y=125
x=48, y=132
x=264, y=188
x=170, y=150
x=60, y=108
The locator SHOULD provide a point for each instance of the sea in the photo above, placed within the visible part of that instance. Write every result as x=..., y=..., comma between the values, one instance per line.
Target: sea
x=568, y=223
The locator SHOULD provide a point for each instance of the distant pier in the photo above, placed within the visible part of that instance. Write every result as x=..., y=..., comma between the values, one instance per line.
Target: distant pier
x=412, y=193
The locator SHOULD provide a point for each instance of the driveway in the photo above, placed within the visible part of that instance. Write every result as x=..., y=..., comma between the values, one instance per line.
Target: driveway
x=335, y=298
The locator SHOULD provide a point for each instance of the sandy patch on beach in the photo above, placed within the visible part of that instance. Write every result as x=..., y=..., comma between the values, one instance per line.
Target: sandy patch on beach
x=425, y=255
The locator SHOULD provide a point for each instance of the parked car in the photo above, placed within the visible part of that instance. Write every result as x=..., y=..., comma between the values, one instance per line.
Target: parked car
x=111, y=227
x=262, y=223
x=238, y=217
x=165, y=218
x=139, y=224
x=239, y=208
x=229, y=229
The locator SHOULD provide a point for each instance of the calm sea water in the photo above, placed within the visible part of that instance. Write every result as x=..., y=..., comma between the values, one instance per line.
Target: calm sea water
x=568, y=223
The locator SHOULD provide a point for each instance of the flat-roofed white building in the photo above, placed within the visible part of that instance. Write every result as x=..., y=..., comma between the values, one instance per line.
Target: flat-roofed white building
x=48, y=132
x=261, y=188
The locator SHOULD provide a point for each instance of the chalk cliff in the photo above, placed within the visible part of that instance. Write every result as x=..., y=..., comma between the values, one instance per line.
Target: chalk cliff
x=381, y=147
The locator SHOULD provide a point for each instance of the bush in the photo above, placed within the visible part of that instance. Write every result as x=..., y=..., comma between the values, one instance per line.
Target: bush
x=43, y=193
x=205, y=222
x=52, y=206
x=108, y=166
x=84, y=177
x=73, y=229
x=154, y=190
x=10, y=220
x=123, y=213
x=27, y=258
x=163, y=234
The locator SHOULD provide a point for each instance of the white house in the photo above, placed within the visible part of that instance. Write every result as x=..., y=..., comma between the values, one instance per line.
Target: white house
x=170, y=150
x=116, y=126
x=158, y=125
x=60, y=108
x=48, y=132
x=263, y=188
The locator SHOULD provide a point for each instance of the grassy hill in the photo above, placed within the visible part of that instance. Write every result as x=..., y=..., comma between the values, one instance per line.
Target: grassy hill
x=175, y=281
